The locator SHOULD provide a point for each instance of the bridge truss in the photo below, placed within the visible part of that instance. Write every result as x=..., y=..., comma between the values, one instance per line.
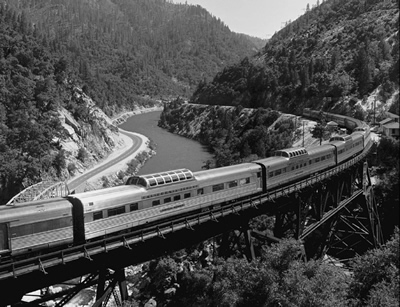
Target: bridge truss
x=41, y=190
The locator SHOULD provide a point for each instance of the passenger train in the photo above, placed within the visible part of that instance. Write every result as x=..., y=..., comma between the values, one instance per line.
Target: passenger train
x=78, y=218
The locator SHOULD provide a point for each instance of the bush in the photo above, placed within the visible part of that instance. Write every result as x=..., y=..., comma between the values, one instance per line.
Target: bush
x=121, y=175
x=106, y=182
x=71, y=168
x=82, y=154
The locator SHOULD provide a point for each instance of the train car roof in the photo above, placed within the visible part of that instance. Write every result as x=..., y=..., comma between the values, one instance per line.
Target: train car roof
x=320, y=149
x=35, y=203
x=110, y=197
x=227, y=172
x=291, y=152
x=341, y=138
x=118, y=190
x=160, y=179
x=35, y=210
x=273, y=161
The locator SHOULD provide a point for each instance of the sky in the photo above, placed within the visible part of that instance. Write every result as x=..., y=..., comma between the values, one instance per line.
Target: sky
x=259, y=18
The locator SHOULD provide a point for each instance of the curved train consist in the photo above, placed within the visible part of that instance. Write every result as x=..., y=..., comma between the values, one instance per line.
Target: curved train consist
x=79, y=218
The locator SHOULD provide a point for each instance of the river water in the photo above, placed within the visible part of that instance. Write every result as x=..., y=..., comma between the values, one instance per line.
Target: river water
x=173, y=151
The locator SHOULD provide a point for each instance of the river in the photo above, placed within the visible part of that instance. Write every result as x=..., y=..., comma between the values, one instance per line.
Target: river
x=173, y=151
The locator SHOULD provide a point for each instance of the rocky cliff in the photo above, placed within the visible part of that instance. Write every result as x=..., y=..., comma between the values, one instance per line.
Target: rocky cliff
x=88, y=139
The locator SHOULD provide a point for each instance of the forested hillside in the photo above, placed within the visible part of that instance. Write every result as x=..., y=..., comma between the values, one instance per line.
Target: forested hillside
x=233, y=134
x=338, y=51
x=48, y=127
x=122, y=49
x=123, y=54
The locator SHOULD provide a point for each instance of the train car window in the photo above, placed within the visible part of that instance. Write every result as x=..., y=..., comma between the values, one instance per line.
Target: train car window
x=3, y=237
x=175, y=178
x=167, y=200
x=152, y=182
x=317, y=159
x=305, y=164
x=116, y=211
x=217, y=187
x=97, y=215
x=322, y=158
x=309, y=162
x=177, y=197
x=271, y=174
x=167, y=179
x=232, y=184
x=160, y=180
x=292, y=168
x=155, y=202
x=186, y=195
x=258, y=174
x=181, y=176
x=200, y=191
x=297, y=166
x=245, y=181
x=134, y=207
x=278, y=172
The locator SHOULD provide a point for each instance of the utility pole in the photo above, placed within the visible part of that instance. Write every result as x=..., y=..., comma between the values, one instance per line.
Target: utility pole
x=374, y=110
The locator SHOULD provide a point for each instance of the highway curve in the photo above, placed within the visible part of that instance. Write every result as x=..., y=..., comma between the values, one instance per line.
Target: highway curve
x=137, y=142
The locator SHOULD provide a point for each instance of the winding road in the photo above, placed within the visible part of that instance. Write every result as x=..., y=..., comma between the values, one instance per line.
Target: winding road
x=137, y=142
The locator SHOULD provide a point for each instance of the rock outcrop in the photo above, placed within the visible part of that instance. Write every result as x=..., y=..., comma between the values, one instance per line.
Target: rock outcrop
x=88, y=139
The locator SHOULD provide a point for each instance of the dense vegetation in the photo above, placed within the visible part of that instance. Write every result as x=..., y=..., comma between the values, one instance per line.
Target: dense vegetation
x=341, y=50
x=30, y=94
x=233, y=135
x=387, y=191
x=122, y=53
x=198, y=277
x=123, y=49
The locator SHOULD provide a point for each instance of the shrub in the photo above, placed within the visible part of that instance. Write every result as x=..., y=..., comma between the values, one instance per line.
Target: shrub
x=71, y=168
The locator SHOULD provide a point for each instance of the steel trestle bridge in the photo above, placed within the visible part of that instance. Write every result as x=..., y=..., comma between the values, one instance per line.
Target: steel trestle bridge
x=331, y=213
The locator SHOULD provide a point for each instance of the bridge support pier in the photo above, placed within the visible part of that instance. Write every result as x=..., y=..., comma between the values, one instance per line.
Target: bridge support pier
x=343, y=220
x=234, y=239
x=103, y=294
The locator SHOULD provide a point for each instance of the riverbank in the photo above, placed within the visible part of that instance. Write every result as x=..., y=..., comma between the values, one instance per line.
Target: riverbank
x=121, y=118
x=124, y=142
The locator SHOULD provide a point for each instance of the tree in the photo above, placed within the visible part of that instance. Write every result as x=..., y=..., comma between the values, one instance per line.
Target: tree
x=318, y=132
x=376, y=275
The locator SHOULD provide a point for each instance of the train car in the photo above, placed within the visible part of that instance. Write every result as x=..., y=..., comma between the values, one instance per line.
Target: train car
x=344, y=147
x=365, y=131
x=358, y=143
x=157, y=196
x=321, y=158
x=286, y=166
x=97, y=214
x=31, y=226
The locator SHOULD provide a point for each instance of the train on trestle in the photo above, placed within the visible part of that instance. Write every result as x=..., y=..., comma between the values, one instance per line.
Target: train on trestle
x=45, y=225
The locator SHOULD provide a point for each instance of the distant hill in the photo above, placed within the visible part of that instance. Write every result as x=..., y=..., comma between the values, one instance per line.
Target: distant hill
x=122, y=48
x=338, y=51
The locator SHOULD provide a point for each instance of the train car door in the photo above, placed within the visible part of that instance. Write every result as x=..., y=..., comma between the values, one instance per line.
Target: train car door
x=4, y=237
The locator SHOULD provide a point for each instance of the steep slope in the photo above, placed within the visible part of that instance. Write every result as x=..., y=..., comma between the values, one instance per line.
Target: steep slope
x=124, y=49
x=49, y=128
x=340, y=51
